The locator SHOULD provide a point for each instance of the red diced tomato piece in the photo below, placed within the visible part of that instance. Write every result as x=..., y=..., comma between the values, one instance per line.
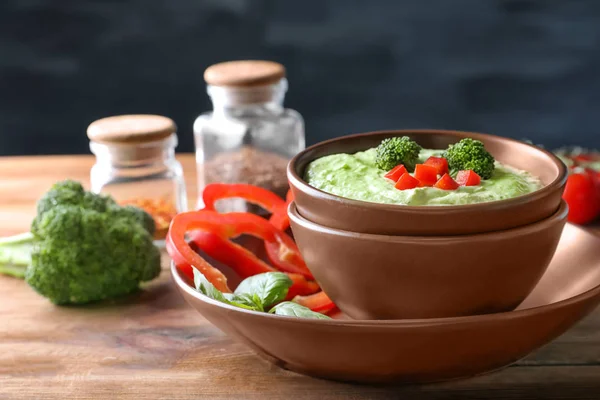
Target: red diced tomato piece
x=439, y=163
x=406, y=181
x=426, y=174
x=468, y=178
x=396, y=172
x=446, y=183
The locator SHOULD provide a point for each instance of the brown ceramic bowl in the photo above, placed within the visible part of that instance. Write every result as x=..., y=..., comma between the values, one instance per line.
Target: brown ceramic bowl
x=395, y=277
x=421, y=350
x=389, y=219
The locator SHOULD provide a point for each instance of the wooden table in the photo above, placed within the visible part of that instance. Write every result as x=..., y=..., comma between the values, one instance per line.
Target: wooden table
x=153, y=346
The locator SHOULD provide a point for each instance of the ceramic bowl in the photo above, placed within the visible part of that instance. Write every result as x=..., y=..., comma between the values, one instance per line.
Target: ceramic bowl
x=389, y=219
x=387, y=277
x=421, y=350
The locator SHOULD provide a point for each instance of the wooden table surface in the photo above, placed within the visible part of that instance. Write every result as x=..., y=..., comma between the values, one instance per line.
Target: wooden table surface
x=154, y=346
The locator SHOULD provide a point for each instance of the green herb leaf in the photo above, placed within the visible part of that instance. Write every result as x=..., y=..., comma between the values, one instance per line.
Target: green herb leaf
x=206, y=288
x=247, y=302
x=265, y=289
x=243, y=301
x=292, y=309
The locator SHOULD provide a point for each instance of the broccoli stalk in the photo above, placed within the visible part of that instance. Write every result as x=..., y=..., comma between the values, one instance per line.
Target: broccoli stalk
x=83, y=247
x=15, y=254
x=395, y=151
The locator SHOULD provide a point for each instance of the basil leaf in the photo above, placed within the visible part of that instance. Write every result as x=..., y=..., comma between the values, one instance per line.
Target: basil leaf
x=267, y=288
x=243, y=301
x=206, y=288
x=292, y=309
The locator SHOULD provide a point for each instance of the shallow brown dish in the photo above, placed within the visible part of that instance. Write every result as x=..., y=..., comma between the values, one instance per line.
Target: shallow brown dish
x=389, y=219
x=387, y=277
x=421, y=350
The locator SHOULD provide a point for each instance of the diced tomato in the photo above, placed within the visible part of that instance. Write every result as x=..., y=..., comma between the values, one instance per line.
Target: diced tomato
x=406, y=181
x=468, y=178
x=396, y=172
x=581, y=194
x=446, y=183
x=426, y=175
x=439, y=163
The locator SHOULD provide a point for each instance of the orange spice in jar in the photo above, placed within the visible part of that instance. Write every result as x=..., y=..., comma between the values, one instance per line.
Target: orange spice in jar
x=136, y=165
x=161, y=210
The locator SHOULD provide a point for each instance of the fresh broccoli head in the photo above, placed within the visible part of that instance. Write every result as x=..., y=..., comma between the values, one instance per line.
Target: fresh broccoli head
x=470, y=154
x=395, y=151
x=138, y=215
x=70, y=192
x=85, y=251
x=83, y=255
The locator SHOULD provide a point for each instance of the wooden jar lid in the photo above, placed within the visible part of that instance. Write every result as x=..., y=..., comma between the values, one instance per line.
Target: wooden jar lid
x=131, y=129
x=245, y=73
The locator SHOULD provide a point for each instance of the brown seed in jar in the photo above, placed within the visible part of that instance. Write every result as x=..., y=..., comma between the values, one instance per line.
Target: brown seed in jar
x=251, y=166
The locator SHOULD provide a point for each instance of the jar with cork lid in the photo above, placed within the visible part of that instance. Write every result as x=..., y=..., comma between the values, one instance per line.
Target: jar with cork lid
x=136, y=165
x=249, y=136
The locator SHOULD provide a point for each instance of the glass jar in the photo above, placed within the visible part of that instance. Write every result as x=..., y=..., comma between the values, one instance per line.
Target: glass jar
x=136, y=165
x=249, y=136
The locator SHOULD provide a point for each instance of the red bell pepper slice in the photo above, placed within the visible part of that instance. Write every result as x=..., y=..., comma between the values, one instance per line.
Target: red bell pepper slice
x=185, y=257
x=426, y=174
x=244, y=262
x=439, y=163
x=318, y=302
x=446, y=183
x=395, y=173
x=468, y=178
x=284, y=251
x=279, y=217
x=301, y=286
x=265, y=199
x=253, y=194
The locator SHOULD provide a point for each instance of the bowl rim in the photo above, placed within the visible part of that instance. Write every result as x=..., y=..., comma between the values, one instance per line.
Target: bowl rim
x=400, y=323
x=559, y=214
x=298, y=182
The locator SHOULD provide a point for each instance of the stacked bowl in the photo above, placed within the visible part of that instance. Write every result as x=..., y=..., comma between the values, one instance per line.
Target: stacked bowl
x=426, y=293
x=387, y=261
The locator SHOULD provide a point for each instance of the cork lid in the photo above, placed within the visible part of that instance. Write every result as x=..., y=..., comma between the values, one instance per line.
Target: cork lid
x=131, y=129
x=245, y=73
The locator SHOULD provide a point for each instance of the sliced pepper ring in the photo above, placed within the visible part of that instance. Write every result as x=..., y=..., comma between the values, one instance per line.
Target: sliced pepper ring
x=230, y=225
x=267, y=200
x=245, y=263
x=252, y=194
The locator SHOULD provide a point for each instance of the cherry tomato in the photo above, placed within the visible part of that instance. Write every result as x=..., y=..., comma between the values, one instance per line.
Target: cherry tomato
x=582, y=196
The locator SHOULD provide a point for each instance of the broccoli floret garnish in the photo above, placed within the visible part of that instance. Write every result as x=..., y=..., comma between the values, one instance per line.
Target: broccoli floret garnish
x=395, y=151
x=83, y=247
x=469, y=154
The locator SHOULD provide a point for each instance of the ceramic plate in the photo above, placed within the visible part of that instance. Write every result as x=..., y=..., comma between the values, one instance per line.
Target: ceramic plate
x=425, y=349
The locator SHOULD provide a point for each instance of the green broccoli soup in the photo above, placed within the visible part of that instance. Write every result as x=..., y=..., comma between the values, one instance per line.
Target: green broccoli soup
x=394, y=173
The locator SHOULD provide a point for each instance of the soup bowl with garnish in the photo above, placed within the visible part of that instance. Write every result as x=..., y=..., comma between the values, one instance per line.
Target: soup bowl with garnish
x=425, y=183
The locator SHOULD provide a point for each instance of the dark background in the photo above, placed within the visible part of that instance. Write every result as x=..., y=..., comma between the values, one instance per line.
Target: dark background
x=520, y=68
